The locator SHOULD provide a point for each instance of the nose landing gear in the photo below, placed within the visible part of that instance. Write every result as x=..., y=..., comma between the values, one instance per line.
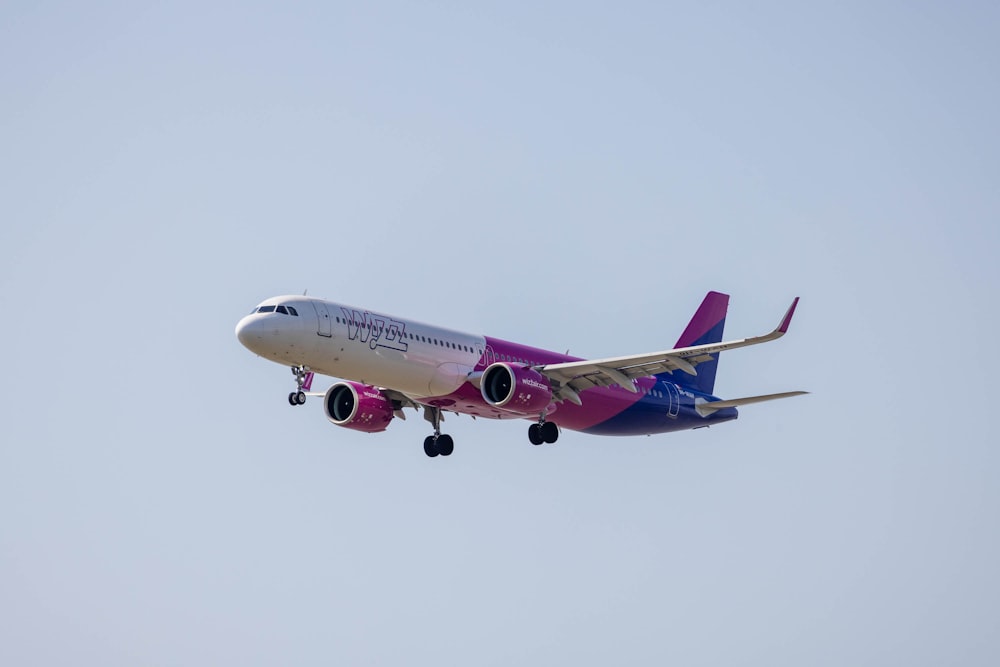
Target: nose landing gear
x=303, y=382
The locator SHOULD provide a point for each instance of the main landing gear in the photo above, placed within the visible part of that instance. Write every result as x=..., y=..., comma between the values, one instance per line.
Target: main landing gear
x=302, y=377
x=543, y=432
x=439, y=443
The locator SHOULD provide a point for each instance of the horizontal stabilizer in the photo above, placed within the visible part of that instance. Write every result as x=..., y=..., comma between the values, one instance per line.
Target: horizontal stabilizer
x=705, y=409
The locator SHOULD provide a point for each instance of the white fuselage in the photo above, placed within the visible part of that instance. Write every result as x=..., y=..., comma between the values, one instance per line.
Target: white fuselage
x=342, y=341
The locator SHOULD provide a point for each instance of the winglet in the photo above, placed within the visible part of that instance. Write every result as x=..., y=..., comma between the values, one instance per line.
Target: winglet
x=787, y=319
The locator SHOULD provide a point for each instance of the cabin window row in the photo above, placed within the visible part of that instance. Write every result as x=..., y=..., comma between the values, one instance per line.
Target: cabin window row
x=514, y=360
x=412, y=336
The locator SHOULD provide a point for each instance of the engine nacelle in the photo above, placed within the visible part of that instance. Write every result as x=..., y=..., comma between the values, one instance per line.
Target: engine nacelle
x=516, y=388
x=357, y=406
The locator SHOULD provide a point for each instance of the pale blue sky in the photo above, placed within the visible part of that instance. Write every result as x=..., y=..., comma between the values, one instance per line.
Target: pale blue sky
x=569, y=175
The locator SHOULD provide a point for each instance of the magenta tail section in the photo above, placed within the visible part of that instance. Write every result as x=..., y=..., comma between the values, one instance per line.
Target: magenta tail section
x=705, y=327
x=711, y=314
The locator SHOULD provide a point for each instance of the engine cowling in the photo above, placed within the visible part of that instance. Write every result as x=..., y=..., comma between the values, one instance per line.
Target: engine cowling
x=357, y=406
x=516, y=388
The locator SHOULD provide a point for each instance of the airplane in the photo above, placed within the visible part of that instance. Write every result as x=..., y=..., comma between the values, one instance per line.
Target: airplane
x=389, y=363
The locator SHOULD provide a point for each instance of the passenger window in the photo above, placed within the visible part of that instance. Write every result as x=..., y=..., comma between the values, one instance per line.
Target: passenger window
x=282, y=310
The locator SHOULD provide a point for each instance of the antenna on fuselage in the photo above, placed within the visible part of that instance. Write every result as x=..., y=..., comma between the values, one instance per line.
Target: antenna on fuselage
x=304, y=291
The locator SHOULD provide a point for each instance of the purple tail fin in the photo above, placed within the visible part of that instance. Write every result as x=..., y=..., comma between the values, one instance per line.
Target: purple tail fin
x=705, y=327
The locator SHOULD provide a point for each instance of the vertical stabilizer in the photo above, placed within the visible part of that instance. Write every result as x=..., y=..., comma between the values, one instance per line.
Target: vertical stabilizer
x=705, y=327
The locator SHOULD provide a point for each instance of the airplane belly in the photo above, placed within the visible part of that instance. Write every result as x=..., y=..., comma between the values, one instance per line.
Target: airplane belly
x=646, y=418
x=447, y=379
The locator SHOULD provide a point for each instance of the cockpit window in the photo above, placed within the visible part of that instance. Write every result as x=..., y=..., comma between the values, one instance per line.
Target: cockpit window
x=283, y=309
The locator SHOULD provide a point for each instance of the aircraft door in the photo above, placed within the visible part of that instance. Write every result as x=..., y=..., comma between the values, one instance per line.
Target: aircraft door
x=323, y=326
x=673, y=399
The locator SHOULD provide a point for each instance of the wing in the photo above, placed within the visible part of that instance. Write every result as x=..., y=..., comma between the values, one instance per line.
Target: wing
x=572, y=377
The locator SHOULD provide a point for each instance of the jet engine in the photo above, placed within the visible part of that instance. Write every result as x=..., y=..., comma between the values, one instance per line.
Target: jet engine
x=357, y=406
x=516, y=388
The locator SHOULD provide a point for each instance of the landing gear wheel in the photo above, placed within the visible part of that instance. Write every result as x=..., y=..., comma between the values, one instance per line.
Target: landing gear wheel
x=549, y=432
x=303, y=378
x=535, y=434
x=438, y=444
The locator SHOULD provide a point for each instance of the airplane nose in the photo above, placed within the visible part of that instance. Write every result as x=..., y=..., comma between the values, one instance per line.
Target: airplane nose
x=247, y=331
x=272, y=336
